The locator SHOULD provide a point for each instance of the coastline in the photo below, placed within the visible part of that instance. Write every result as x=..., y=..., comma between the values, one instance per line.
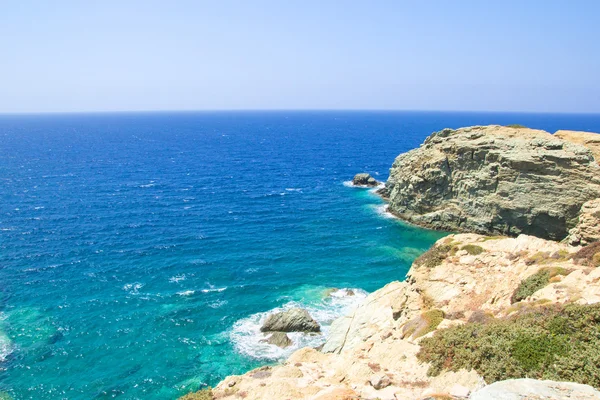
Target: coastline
x=463, y=279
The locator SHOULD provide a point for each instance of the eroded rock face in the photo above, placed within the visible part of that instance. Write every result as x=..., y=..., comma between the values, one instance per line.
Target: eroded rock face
x=519, y=389
x=588, y=139
x=587, y=229
x=292, y=320
x=494, y=180
x=364, y=179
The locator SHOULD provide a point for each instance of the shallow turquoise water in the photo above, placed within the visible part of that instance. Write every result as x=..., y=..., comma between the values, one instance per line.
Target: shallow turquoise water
x=140, y=251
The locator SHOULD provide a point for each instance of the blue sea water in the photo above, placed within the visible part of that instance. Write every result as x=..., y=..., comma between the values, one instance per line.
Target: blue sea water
x=139, y=252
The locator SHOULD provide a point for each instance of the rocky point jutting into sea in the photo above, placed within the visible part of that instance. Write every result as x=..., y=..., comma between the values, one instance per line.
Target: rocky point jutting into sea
x=515, y=295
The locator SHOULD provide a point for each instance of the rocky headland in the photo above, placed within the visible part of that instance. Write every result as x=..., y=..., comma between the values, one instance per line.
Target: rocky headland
x=516, y=296
x=496, y=180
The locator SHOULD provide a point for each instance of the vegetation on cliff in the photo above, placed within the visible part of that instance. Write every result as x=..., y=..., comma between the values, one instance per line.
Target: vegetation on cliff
x=536, y=282
x=204, y=394
x=553, y=342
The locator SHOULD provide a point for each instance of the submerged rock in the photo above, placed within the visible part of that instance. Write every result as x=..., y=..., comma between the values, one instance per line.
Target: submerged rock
x=518, y=389
x=494, y=180
x=364, y=179
x=279, y=339
x=292, y=320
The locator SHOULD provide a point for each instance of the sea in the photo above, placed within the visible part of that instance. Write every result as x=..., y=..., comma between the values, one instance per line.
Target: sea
x=140, y=252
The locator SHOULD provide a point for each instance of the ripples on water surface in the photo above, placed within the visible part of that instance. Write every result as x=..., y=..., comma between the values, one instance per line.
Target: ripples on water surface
x=139, y=252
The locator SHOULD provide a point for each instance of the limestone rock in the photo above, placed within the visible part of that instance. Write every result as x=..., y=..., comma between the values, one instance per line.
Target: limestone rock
x=519, y=389
x=587, y=229
x=292, y=320
x=588, y=139
x=380, y=381
x=494, y=180
x=279, y=339
x=364, y=179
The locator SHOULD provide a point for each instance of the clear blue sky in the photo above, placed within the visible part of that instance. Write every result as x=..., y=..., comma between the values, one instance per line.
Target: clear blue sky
x=509, y=55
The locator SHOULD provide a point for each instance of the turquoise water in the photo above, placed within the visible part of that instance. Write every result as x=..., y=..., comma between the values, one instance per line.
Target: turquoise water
x=139, y=252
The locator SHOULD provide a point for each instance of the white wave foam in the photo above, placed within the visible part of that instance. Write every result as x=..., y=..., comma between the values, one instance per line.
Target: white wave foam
x=382, y=210
x=217, y=304
x=293, y=189
x=214, y=290
x=177, y=278
x=250, y=341
x=348, y=184
x=133, y=288
x=6, y=346
x=381, y=185
x=186, y=293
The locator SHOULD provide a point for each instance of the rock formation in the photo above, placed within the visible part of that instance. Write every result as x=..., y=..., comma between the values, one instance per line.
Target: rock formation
x=587, y=229
x=292, y=320
x=279, y=339
x=463, y=278
x=364, y=179
x=494, y=180
x=588, y=139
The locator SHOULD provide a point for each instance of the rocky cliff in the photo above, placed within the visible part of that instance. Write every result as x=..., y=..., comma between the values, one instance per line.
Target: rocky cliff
x=496, y=180
x=464, y=279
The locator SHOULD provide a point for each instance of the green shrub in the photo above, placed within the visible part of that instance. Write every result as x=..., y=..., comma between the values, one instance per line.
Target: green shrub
x=516, y=126
x=553, y=342
x=434, y=256
x=472, y=249
x=204, y=394
x=497, y=237
x=588, y=255
x=535, y=282
x=423, y=324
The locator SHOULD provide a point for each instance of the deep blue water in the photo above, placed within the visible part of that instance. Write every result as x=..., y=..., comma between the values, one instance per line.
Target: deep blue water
x=140, y=251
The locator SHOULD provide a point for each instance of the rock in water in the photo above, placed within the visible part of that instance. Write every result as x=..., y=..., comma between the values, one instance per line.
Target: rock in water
x=494, y=180
x=280, y=339
x=518, y=389
x=364, y=179
x=292, y=320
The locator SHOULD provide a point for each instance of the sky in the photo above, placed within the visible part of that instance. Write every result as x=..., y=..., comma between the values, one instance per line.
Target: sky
x=129, y=55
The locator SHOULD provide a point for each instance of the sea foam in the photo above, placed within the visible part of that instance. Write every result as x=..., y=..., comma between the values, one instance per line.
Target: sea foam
x=248, y=340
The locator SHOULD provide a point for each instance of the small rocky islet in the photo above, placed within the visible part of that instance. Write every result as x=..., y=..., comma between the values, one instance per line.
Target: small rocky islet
x=517, y=290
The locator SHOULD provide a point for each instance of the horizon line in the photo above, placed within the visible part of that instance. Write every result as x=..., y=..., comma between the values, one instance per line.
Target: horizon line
x=274, y=110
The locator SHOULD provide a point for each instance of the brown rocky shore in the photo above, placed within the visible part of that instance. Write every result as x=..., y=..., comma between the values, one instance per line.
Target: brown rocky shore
x=507, y=309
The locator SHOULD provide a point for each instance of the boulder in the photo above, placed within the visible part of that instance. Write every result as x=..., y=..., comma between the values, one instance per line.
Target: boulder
x=364, y=179
x=494, y=180
x=380, y=381
x=279, y=339
x=518, y=389
x=292, y=320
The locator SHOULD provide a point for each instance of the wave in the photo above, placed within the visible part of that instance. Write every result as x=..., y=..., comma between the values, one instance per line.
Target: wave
x=177, y=278
x=6, y=346
x=186, y=293
x=382, y=210
x=249, y=341
x=214, y=290
x=133, y=288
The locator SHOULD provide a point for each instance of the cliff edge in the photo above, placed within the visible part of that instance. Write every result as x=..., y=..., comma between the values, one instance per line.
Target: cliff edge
x=487, y=295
